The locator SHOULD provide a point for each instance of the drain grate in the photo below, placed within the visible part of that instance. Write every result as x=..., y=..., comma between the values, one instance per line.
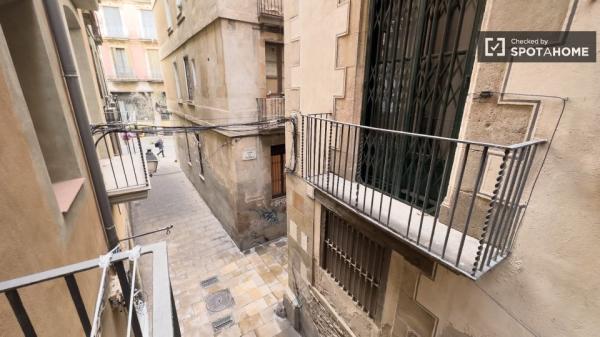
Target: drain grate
x=219, y=300
x=209, y=281
x=222, y=323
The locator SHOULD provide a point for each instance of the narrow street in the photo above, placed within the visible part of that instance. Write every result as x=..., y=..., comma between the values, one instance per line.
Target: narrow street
x=248, y=285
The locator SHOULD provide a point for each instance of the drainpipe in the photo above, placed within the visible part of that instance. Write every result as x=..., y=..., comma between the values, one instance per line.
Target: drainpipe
x=58, y=27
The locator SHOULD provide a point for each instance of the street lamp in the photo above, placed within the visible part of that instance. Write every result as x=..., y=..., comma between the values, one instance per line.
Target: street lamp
x=152, y=162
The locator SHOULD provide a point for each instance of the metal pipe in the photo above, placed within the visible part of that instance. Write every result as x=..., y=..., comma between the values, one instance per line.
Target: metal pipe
x=60, y=34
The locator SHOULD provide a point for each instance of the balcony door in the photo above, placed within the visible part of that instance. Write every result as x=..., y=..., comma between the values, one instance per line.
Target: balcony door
x=418, y=65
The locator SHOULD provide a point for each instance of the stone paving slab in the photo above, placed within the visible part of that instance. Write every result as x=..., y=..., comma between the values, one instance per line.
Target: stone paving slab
x=199, y=248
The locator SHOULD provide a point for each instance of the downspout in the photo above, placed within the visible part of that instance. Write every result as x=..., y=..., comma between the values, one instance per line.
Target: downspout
x=58, y=27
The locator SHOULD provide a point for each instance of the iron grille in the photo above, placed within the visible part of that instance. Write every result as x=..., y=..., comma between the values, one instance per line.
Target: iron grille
x=419, y=59
x=270, y=7
x=271, y=108
x=353, y=260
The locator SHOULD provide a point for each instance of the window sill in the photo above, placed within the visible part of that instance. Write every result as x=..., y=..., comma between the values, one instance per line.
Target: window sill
x=169, y=31
x=179, y=101
x=188, y=102
x=180, y=18
x=202, y=177
x=189, y=163
x=66, y=192
x=116, y=38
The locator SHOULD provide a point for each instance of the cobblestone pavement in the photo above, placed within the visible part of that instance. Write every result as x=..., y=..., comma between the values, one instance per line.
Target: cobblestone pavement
x=199, y=248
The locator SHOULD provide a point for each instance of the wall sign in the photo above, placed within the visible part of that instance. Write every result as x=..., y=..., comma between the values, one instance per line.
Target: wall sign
x=249, y=154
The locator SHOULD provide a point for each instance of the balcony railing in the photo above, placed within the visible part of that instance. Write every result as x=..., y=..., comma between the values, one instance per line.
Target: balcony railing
x=270, y=108
x=123, y=165
x=164, y=317
x=457, y=201
x=270, y=7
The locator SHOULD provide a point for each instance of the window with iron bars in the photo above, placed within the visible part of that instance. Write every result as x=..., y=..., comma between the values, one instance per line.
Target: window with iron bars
x=354, y=260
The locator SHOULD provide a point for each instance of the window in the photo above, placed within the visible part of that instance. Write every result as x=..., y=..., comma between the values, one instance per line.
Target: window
x=165, y=115
x=277, y=170
x=200, y=161
x=148, y=29
x=128, y=110
x=187, y=144
x=419, y=97
x=177, y=85
x=353, y=260
x=112, y=22
x=121, y=62
x=168, y=14
x=153, y=63
x=189, y=78
x=274, y=66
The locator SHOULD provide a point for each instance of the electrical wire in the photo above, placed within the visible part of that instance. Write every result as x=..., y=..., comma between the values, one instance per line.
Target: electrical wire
x=514, y=94
x=113, y=127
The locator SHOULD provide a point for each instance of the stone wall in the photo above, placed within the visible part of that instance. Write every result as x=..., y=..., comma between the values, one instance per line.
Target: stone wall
x=225, y=45
x=546, y=286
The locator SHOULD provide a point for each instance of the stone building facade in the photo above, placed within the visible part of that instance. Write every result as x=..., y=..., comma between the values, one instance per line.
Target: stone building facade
x=547, y=285
x=131, y=61
x=223, y=64
x=51, y=213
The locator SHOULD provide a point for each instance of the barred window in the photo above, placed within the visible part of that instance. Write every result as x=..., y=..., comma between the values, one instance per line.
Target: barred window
x=354, y=260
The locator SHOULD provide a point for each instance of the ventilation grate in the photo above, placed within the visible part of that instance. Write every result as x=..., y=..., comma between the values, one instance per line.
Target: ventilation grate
x=209, y=281
x=222, y=323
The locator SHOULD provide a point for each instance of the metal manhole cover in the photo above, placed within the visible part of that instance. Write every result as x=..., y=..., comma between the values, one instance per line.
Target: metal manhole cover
x=219, y=300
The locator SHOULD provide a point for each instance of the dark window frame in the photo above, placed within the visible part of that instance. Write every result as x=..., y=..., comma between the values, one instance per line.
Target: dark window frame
x=200, y=159
x=189, y=78
x=279, y=61
x=187, y=143
x=278, y=153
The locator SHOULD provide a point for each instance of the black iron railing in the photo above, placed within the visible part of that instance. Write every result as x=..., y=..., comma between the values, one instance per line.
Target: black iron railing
x=270, y=108
x=164, y=318
x=270, y=7
x=458, y=201
x=122, y=161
